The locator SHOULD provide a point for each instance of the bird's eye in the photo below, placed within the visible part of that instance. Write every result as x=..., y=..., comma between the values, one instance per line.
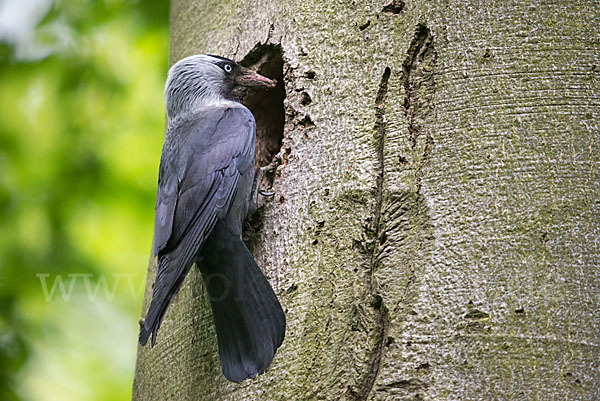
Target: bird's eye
x=228, y=68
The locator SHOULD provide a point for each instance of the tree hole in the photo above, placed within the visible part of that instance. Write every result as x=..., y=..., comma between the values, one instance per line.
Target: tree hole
x=269, y=113
x=267, y=105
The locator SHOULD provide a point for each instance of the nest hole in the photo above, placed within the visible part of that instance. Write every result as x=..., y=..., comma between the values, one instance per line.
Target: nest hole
x=267, y=105
x=269, y=113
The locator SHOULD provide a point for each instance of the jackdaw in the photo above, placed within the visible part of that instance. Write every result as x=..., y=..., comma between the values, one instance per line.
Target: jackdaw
x=206, y=186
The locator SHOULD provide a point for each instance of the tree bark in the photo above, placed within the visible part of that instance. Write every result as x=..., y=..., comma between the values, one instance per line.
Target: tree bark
x=435, y=229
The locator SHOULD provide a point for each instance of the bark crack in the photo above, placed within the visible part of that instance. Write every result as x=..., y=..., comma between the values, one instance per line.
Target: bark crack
x=375, y=234
x=417, y=79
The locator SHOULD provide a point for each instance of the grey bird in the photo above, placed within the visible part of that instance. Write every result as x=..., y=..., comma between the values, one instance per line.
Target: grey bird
x=206, y=187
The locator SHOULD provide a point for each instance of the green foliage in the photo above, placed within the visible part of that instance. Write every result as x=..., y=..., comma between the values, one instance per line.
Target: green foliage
x=81, y=127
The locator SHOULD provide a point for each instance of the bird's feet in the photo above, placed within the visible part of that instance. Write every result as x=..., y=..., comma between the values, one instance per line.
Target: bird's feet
x=256, y=190
x=265, y=193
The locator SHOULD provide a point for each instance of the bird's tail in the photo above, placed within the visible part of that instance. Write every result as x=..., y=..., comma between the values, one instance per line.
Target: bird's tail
x=249, y=321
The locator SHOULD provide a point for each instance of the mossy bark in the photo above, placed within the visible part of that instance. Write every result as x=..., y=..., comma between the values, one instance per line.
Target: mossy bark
x=435, y=230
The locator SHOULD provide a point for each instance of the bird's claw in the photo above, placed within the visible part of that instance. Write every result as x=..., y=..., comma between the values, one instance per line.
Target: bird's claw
x=256, y=188
x=266, y=194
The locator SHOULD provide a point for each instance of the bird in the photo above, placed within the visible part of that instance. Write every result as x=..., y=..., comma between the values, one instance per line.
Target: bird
x=206, y=188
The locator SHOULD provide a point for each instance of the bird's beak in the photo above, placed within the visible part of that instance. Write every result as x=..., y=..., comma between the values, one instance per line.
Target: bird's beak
x=251, y=79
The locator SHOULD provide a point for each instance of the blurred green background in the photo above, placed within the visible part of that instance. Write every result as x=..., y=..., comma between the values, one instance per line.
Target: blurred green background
x=81, y=129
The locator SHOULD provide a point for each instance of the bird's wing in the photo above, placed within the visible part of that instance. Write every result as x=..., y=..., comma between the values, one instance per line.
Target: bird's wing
x=201, y=166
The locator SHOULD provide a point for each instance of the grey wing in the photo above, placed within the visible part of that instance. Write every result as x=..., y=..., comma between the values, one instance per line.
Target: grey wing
x=166, y=201
x=192, y=172
x=195, y=190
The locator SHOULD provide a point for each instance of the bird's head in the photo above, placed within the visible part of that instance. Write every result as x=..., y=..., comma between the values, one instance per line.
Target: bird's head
x=204, y=79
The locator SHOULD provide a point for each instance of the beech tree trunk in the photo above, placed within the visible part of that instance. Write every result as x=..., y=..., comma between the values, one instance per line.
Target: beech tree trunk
x=435, y=229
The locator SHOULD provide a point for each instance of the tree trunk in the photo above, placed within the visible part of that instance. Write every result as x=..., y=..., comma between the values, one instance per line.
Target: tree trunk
x=434, y=233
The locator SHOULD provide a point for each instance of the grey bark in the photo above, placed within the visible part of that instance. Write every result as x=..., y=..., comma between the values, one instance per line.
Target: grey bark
x=435, y=234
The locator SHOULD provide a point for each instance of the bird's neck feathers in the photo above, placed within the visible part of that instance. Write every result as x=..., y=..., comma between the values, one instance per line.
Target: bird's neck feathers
x=182, y=102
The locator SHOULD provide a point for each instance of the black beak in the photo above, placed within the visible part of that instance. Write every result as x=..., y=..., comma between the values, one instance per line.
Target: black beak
x=251, y=79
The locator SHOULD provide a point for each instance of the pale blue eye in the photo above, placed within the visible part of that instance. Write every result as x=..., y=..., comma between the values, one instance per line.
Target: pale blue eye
x=227, y=68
